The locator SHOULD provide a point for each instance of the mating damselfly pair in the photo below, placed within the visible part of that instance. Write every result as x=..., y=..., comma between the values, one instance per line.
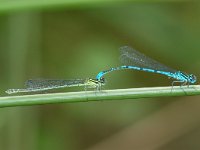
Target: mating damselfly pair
x=130, y=58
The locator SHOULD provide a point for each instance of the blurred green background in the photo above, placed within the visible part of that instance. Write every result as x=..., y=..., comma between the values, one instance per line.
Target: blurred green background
x=77, y=39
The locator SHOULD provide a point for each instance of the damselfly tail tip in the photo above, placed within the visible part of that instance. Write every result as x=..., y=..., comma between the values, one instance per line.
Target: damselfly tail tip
x=11, y=91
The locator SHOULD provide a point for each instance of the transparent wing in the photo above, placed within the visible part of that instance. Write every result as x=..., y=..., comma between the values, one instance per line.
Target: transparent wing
x=51, y=83
x=131, y=57
x=35, y=85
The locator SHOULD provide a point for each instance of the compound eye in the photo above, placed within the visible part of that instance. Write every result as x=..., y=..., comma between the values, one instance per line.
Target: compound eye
x=192, y=78
x=102, y=79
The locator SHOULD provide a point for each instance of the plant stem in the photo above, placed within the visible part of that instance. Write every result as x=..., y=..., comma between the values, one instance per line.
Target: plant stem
x=87, y=96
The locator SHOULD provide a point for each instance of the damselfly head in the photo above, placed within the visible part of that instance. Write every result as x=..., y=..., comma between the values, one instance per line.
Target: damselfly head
x=102, y=81
x=192, y=78
x=95, y=81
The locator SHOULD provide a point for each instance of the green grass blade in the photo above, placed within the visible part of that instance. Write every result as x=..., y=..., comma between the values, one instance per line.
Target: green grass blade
x=87, y=96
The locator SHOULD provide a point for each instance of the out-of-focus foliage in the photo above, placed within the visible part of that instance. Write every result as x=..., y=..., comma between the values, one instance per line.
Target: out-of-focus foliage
x=79, y=42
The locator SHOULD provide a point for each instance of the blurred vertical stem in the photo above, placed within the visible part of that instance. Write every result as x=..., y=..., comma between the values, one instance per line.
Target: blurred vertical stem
x=20, y=28
x=9, y=6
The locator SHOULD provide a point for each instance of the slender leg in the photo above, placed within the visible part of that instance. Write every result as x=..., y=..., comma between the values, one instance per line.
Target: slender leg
x=188, y=84
x=85, y=88
x=99, y=86
x=183, y=82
